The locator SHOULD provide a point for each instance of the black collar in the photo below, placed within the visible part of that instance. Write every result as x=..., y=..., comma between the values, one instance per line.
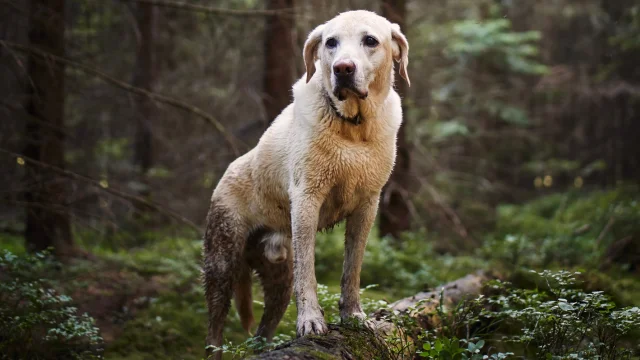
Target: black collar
x=355, y=120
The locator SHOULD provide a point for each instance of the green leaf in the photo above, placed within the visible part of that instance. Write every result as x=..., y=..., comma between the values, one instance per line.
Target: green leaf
x=448, y=129
x=565, y=306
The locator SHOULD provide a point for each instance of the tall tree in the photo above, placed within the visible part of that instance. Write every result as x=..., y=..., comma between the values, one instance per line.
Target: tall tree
x=47, y=218
x=145, y=75
x=279, y=57
x=395, y=215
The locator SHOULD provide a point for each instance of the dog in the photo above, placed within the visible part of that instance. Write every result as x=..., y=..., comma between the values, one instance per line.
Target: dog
x=324, y=159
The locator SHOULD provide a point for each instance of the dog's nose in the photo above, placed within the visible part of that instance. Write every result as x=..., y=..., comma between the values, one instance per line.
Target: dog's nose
x=344, y=68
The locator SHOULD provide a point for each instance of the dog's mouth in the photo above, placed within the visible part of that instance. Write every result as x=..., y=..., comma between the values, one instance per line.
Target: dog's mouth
x=342, y=92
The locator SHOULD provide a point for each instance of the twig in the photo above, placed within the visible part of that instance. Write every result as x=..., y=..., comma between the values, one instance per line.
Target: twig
x=108, y=189
x=182, y=5
x=457, y=222
x=46, y=124
x=604, y=232
x=154, y=96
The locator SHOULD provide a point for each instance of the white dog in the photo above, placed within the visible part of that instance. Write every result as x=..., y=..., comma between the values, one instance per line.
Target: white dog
x=325, y=158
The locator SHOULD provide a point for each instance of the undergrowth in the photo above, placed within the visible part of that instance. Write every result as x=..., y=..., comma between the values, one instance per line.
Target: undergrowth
x=556, y=320
x=567, y=230
x=37, y=322
x=533, y=314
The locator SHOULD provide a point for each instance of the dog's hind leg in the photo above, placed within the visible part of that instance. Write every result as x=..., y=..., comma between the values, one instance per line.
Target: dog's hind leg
x=224, y=242
x=243, y=298
x=277, y=281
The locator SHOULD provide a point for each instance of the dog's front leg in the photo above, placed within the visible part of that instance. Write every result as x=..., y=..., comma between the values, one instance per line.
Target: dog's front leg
x=359, y=224
x=304, y=223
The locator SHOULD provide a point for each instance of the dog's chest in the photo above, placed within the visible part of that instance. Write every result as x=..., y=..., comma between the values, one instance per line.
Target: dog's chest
x=355, y=172
x=339, y=204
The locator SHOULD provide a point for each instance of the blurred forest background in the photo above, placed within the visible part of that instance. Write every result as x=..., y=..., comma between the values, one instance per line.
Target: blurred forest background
x=519, y=151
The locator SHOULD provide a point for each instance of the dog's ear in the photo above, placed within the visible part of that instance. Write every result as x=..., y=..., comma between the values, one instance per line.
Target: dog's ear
x=310, y=52
x=400, y=51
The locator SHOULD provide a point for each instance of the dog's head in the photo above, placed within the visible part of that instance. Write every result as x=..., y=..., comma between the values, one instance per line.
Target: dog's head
x=355, y=50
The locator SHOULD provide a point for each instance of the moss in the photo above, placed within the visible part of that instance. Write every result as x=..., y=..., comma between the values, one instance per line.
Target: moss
x=317, y=354
x=364, y=344
x=12, y=243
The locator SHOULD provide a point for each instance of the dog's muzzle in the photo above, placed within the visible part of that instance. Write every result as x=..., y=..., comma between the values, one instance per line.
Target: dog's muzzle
x=344, y=72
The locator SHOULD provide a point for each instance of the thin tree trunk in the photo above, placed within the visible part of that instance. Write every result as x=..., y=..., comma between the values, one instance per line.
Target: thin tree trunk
x=279, y=57
x=395, y=215
x=47, y=218
x=144, y=77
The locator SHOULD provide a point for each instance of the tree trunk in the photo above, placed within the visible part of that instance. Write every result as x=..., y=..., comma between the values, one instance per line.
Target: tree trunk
x=144, y=77
x=395, y=215
x=348, y=343
x=279, y=57
x=47, y=217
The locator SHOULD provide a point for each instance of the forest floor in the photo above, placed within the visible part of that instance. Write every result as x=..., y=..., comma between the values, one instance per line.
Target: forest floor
x=148, y=302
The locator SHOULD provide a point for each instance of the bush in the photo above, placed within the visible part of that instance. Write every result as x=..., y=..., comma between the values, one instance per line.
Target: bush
x=556, y=320
x=35, y=321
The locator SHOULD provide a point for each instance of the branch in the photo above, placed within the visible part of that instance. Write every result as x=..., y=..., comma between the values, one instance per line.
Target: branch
x=101, y=186
x=453, y=293
x=182, y=5
x=154, y=96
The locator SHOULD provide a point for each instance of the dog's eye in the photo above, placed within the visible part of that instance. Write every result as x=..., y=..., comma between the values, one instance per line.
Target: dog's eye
x=331, y=43
x=370, y=41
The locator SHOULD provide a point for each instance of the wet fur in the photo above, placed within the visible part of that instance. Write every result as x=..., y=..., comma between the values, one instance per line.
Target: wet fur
x=309, y=171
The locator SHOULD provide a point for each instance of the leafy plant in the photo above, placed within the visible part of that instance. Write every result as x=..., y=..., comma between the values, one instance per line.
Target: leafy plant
x=456, y=349
x=562, y=321
x=556, y=320
x=35, y=321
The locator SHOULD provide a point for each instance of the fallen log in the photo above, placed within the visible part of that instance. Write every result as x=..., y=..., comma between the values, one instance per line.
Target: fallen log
x=349, y=343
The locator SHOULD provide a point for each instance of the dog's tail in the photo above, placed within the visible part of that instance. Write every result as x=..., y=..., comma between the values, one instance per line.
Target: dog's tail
x=243, y=299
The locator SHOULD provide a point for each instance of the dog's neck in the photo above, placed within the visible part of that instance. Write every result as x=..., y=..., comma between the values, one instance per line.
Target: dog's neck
x=353, y=110
x=355, y=120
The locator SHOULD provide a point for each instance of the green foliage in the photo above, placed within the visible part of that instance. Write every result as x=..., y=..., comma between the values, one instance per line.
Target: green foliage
x=555, y=320
x=398, y=265
x=494, y=40
x=565, y=229
x=249, y=347
x=456, y=349
x=441, y=131
x=509, y=319
x=470, y=46
x=628, y=32
x=562, y=322
x=12, y=243
x=476, y=127
x=113, y=148
x=175, y=321
x=35, y=321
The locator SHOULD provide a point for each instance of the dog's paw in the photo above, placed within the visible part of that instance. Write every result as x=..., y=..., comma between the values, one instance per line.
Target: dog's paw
x=313, y=326
x=357, y=318
x=356, y=315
